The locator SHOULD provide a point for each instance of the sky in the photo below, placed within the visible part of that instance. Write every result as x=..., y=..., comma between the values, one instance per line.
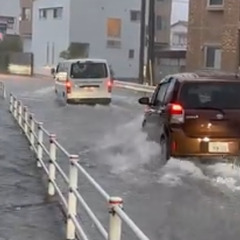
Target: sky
x=179, y=10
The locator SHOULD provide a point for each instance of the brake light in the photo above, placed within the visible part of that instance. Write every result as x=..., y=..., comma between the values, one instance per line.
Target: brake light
x=176, y=113
x=68, y=87
x=109, y=85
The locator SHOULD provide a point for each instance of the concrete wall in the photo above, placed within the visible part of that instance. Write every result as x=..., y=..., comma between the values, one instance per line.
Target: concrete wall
x=27, y=44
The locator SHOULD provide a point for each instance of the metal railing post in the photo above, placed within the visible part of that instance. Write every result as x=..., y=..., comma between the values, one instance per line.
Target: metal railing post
x=4, y=92
x=15, y=108
x=11, y=103
x=52, y=168
x=72, y=199
x=32, y=127
x=115, y=222
x=20, y=114
x=39, y=144
x=26, y=117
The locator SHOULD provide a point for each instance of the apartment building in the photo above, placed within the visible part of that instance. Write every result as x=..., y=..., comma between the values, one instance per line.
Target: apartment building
x=213, y=35
x=25, y=24
x=108, y=29
x=9, y=17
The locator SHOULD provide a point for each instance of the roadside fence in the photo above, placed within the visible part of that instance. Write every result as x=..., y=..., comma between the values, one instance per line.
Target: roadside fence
x=45, y=146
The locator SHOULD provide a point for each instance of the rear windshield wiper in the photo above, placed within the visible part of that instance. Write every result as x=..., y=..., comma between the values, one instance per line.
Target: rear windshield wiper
x=211, y=108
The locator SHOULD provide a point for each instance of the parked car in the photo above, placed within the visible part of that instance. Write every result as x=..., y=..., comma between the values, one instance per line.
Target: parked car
x=194, y=116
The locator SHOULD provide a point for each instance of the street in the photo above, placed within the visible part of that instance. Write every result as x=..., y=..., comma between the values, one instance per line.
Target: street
x=180, y=201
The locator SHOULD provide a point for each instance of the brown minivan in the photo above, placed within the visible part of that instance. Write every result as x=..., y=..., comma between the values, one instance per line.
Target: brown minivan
x=191, y=116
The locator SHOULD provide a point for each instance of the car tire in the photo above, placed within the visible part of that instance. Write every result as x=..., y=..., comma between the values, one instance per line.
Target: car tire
x=164, y=150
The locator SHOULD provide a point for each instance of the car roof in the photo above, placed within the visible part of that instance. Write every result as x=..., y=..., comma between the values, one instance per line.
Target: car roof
x=204, y=77
x=95, y=60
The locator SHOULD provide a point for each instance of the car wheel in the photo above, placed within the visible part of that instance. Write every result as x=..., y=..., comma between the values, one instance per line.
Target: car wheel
x=164, y=151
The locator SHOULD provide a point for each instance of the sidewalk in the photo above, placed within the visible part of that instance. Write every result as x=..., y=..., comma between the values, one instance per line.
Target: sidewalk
x=24, y=212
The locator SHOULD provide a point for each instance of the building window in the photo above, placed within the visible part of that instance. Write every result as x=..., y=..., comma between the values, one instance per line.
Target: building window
x=135, y=16
x=213, y=57
x=114, y=27
x=160, y=23
x=57, y=12
x=26, y=14
x=113, y=44
x=131, y=54
x=42, y=13
x=179, y=39
x=215, y=2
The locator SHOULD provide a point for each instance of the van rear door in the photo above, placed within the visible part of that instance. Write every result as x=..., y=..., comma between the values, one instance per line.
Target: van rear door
x=90, y=75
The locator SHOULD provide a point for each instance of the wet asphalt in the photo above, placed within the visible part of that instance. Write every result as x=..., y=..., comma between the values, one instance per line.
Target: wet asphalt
x=177, y=202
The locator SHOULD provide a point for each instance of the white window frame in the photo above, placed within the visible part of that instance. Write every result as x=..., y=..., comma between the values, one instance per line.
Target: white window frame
x=215, y=6
x=217, y=64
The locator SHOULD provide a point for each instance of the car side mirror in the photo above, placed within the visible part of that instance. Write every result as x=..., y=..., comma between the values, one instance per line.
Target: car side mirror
x=52, y=71
x=144, y=101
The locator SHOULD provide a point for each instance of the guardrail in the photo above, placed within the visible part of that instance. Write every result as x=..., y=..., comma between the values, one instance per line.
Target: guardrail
x=134, y=86
x=46, y=146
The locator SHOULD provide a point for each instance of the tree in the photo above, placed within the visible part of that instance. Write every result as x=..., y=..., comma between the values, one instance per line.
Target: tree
x=75, y=50
x=11, y=43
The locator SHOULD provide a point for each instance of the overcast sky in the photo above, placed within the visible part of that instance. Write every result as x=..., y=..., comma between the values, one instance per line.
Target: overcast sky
x=179, y=10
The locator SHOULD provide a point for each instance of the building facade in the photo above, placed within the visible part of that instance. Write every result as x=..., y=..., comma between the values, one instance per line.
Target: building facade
x=25, y=24
x=9, y=17
x=213, y=35
x=163, y=10
x=178, y=35
x=107, y=29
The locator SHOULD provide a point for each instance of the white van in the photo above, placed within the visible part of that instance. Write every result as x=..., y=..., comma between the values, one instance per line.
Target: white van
x=84, y=81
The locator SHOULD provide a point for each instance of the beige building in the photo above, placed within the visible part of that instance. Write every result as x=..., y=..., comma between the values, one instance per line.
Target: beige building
x=213, y=35
x=163, y=9
x=25, y=24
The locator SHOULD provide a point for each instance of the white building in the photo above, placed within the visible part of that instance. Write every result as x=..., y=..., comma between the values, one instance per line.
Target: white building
x=9, y=16
x=178, y=35
x=110, y=28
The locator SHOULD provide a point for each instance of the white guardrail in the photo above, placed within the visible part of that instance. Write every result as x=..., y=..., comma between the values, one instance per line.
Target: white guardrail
x=45, y=146
x=134, y=86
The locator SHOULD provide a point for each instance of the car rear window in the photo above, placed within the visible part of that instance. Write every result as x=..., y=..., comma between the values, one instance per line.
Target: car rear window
x=89, y=70
x=223, y=95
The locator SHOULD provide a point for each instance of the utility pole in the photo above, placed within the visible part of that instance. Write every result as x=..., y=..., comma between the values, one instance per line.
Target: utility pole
x=151, y=42
x=142, y=41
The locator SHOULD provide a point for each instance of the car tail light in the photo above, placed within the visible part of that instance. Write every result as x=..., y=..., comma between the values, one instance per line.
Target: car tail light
x=173, y=146
x=68, y=87
x=109, y=85
x=176, y=113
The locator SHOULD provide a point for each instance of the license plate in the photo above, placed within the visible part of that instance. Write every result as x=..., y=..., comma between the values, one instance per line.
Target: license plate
x=218, y=147
x=89, y=89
